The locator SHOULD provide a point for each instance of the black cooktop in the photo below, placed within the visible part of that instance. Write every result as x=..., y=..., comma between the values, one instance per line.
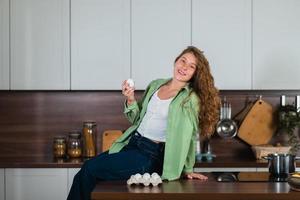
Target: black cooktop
x=248, y=177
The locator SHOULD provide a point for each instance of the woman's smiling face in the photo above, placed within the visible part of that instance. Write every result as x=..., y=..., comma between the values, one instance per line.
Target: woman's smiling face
x=185, y=67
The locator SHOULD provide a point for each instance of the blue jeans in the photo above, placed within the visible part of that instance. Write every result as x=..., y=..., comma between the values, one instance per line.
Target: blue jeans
x=141, y=155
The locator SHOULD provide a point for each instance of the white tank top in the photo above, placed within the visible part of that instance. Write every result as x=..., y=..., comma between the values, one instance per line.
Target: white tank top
x=154, y=123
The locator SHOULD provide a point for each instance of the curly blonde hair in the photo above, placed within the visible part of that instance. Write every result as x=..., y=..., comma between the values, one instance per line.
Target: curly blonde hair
x=202, y=84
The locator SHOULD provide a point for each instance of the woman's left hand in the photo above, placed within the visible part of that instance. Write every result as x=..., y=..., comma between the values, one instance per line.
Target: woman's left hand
x=193, y=175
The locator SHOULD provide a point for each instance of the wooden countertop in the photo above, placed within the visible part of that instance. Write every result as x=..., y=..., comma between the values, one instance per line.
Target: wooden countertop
x=196, y=189
x=50, y=162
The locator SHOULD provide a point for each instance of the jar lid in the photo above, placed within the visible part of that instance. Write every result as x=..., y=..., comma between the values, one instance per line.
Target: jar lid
x=60, y=139
x=75, y=134
x=89, y=124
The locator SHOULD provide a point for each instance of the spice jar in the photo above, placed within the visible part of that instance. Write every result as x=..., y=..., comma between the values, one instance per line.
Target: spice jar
x=89, y=139
x=74, y=144
x=59, y=147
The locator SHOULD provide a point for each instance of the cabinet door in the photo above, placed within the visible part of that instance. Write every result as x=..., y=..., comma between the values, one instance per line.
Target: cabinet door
x=222, y=29
x=4, y=44
x=36, y=184
x=161, y=29
x=276, y=44
x=40, y=44
x=100, y=43
x=2, y=185
x=71, y=173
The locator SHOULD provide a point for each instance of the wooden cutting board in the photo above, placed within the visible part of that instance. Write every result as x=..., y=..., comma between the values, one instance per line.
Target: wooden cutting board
x=108, y=137
x=259, y=125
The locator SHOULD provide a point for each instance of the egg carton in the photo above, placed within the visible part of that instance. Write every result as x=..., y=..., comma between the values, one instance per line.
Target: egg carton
x=145, y=179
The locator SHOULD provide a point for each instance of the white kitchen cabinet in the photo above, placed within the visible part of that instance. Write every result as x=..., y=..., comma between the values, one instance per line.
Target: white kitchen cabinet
x=40, y=44
x=2, y=184
x=222, y=29
x=36, y=184
x=100, y=43
x=160, y=31
x=276, y=44
x=71, y=173
x=4, y=44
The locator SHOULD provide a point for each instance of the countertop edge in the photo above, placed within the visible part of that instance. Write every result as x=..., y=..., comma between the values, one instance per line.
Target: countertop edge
x=50, y=162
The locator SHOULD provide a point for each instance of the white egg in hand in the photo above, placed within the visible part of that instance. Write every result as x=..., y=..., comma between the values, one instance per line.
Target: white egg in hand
x=130, y=82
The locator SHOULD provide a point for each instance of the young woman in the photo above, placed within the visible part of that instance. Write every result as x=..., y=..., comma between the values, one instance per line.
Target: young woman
x=165, y=124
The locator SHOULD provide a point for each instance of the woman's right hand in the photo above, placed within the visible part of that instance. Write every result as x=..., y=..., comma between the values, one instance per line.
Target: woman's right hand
x=128, y=92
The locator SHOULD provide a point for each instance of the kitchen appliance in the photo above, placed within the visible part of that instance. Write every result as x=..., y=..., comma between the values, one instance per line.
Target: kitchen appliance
x=227, y=177
x=248, y=177
x=281, y=164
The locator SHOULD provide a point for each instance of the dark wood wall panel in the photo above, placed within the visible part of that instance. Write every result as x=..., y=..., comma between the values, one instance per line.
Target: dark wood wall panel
x=30, y=119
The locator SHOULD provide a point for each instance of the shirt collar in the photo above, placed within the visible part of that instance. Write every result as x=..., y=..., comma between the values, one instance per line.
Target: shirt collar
x=187, y=87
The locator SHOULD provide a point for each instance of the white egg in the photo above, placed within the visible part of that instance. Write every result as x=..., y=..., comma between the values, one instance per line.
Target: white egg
x=134, y=180
x=155, y=175
x=130, y=82
x=156, y=182
x=146, y=176
x=129, y=182
x=146, y=183
x=137, y=176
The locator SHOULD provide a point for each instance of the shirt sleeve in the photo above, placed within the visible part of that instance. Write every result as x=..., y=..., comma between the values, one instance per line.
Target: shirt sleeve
x=193, y=115
x=131, y=111
x=191, y=157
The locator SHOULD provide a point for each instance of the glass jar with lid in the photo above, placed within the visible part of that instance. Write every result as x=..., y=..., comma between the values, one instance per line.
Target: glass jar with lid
x=59, y=147
x=89, y=138
x=74, y=144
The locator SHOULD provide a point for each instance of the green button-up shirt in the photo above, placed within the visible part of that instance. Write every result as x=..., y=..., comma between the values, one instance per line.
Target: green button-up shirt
x=182, y=127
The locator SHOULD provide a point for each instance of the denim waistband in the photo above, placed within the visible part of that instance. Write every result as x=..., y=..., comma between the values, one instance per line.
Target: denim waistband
x=159, y=144
x=148, y=146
